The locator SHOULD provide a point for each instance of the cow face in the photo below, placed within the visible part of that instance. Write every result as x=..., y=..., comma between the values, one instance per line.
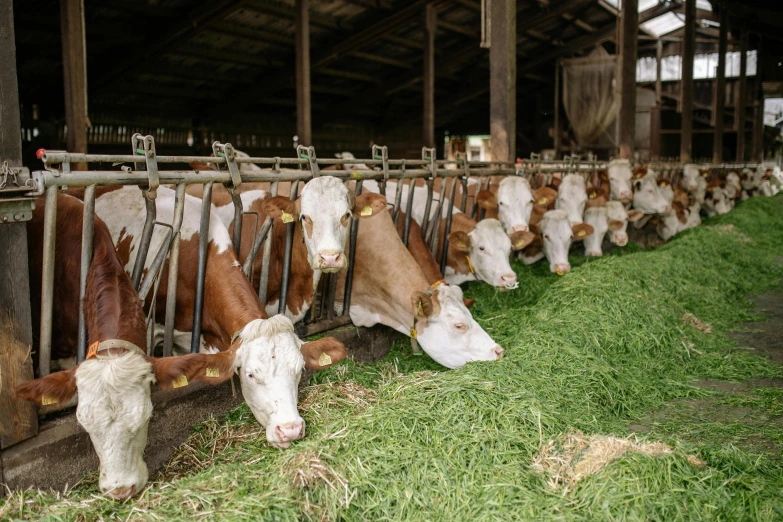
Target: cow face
x=351, y=166
x=447, y=331
x=690, y=178
x=324, y=210
x=270, y=361
x=733, y=185
x=572, y=197
x=597, y=218
x=487, y=247
x=618, y=219
x=648, y=197
x=115, y=407
x=620, y=180
x=558, y=234
x=716, y=202
x=514, y=202
x=669, y=224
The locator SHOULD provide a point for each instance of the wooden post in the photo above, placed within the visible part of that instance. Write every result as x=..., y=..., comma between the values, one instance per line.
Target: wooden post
x=18, y=419
x=757, y=149
x=304, y=122
x=655, y=113
x=740, y=111
x=430, y=27
x=688, y=49
x=503, y=79
x=75, y=76
x=630, y=22
x=658, y=69
x=556, y=129
x=720, y=84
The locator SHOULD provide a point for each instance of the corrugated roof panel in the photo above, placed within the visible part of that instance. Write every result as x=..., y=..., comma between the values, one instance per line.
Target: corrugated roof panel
x=664, y=24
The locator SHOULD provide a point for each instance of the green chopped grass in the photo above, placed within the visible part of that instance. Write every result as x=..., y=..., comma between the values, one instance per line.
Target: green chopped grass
x=596, y=350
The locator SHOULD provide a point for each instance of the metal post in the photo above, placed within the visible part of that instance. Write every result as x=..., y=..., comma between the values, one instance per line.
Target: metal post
x=171, y=289
x=88, y=222
x=408, y=211
x=556, y=129
x=75, y=75
x=203, y=244
x=688, y=49
x=263, y=283
x=720, y=85
x=430, y=28
x=352, y=255
x=740, y=111
x=503, y=79
x=445, y=250
x=303, y=105
x=630, y=21
x=289, y=244
x=47, y=281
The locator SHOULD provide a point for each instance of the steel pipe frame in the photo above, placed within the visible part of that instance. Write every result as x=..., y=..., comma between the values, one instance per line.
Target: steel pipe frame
x=88, y=222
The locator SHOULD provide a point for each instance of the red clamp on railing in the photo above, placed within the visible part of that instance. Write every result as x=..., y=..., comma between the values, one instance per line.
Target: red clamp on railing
x=39, y=153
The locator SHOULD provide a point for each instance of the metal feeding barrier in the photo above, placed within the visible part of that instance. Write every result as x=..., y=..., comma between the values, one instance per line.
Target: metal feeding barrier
x=143, y=168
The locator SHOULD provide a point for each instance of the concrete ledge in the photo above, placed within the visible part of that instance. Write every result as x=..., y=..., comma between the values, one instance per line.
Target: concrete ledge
x=62, y=453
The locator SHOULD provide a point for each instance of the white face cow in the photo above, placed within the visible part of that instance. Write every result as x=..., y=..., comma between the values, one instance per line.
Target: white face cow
x=733, y=186
x=597, y=218
x=324, y=210
x=558, y=234
x=448, y=332
x=488, y=247
x=618, y=219
x=694, y=181
x=619, y=172
x=572, y=197
x=648, y=197
x=270, y=361
x=716, y=202
x=514, y=202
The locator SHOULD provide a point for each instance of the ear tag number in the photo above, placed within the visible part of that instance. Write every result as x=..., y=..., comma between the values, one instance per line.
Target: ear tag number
x=286, y=217
x=324, y=359
x=413, y=333
x=213, y=373
x=366, y=211
x=180, y=381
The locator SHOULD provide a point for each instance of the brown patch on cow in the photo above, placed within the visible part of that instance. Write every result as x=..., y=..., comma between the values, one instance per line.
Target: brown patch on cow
x=468, y=302
x=460, y=241
x=422, y=304
x=211, y=368
x=581, y=230
x=520, y=240
x=682, y=211
x=615, y=224
x=635, y=215
x=369, y=204
x=596, y=196
x=487, y=200
x=545, y=196
x=323, y=353
x=418, y=249
x=274, y=207
x=56, y=388
x=639, y=172
x=681, y=196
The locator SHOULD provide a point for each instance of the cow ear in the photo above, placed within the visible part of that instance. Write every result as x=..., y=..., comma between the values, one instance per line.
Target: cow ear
x=338, y=155
x=280, y=207
x=682, y=215
x=368, y=204
x=422, y=304
x=55, y=388
x=487, y=200
x=198, y=165
x=635, y=214
x=520, y=240
x=615, y=224
x=639, y=172
x=468, y=302
x=545, y=195
x=323, y=353
x=581, y=230
x=175, y=372
x=460, y=241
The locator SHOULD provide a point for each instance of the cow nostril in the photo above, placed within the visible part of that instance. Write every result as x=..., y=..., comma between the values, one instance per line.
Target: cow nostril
x=289, y=431
x=498, y=352
x=123, y=493
x=519, y=228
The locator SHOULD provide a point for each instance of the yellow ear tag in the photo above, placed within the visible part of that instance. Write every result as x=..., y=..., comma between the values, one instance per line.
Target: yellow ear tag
x=519, y=244
x=470, y=265
x=324, y=359
x=581, y=233
x=413, y=333
x=366, y=211
x=542, y=201
x=287, y=218
x=421, y=311
x=180, y=381
x=212, y=372
x=662, y=185
x=356, y=175
x=592, y=195
x=46, y=400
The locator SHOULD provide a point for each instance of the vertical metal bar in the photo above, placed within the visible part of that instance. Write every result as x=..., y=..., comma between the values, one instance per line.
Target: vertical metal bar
x=352, y=253
x=425, y=220
x=556, y=126
x=408, y=210
x=88, y=222
x=47, y=281
x=144, y=243
x=238, y=214
x=464, y=205
x=203, y=244
x=289, y=243
x=397, y=200
x=474, y=207
x=263, y=283
x=447, y=230
x=171, y=289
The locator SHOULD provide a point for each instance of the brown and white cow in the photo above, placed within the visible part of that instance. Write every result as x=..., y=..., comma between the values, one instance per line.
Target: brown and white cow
x=513, y=202
x=269, y=356
x=114, y=382
x=611, y=218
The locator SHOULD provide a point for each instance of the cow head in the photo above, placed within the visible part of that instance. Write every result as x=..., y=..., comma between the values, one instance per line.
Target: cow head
x=648, y=196
x=270, y=360
x=514, y=202
x=558, y=234
x=487, y=247
x=115, y=406
x=716, y=202
x=350, y=166
x=572, y=197
x=620, y=180
x=324, y=210
x=596, y=217
x=618, y=218
x=446, y=330
x=690, y=177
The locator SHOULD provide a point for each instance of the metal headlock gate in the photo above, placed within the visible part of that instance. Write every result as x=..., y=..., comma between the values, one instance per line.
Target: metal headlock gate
x=142, y=168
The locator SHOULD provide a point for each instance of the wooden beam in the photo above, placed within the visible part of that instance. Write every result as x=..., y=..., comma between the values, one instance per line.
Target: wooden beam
x=720, y=85
x=18, y=418
x=304, y=123
x=254, y=35
x=221, y=56
x=74, y=76
x=428, y=88
x=338, y=73
x=382, y=59
x=554, y=12
x=742, y=96
x=459, y=29
x=627, y=118
x=688, y=50
x=757, y=149
x=372, y=4
x=289, y=12
x=503, y=79
x=556, y=127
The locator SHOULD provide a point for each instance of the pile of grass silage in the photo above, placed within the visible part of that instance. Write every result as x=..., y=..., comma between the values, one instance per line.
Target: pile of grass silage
x=590, y=351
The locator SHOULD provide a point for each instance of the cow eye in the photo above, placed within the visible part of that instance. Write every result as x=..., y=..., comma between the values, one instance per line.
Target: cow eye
x=461, y=327
x=481, y=248
x=500, y=202
x=302, y=218
x=546, y=236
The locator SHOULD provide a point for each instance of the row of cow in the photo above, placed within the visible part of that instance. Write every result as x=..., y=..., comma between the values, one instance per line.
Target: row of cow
x=398, y=285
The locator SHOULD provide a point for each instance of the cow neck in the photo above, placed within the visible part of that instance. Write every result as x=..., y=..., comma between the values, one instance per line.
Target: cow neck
x=458, y=261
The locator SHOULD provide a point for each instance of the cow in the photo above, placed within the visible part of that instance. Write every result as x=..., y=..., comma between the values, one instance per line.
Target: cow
x=716, y=200
x=572, y=197
x=619, y=176
x=513, y=203
x=694, y=180
x=647, y=196
x=597, y=218
x=113, y=383
x=733, y=187
x=556, y=235
x=613, y=219
x=679, y=218
x=233, y=318
x=349, y=166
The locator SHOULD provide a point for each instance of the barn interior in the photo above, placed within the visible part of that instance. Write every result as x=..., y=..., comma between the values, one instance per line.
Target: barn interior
x=192, y=71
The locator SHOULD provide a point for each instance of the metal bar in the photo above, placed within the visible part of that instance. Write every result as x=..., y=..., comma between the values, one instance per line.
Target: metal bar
x=351, y=258
x=88, y=222
x=263, y=283
x=47, y=282
x=425, y=220
x=408, y=211
x=289, y=243
x=171, y=289
x=302, y=62
x=236, y=199
x=397, y=201
x=201, y=272
x=157, y=263
x=247, y=268
x=447, y=230
x=144, y=242
x=556, y=127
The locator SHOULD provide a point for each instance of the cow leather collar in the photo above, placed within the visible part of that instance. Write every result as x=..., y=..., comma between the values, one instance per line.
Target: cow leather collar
x=103, y=349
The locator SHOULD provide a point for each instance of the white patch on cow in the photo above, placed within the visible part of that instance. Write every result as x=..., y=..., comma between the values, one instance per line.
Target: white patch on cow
x=558, y=236
x=620, y=173
x=596, y=217
x=453, y=278
x=226, y=212
x=693, y=182
x=124, y=213
x=272, y=309
x=351, y=166
x=490, y=247
x=270, y=366
x=648, y=196
x=361, y=316
x=515, y=203
x=325, y=201
x=181, y=341
x=115, y=408
x=616, y=211
x=716, y=202
x=529, y=260
x=572, y=197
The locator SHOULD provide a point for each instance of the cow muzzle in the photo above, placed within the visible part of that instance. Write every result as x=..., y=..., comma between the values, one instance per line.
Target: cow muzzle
x=498, y=352
x=562, y=268
x=330, y=261
x=621, y=239
x=626, y=197
x=594, y=253
x=519, y=228
x=122, y=493
x=287, y=432
x=509, y=281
